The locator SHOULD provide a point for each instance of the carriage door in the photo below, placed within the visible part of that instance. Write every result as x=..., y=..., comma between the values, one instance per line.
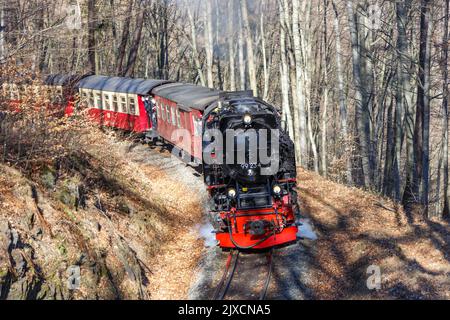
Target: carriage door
x=184, y=124
x=198, y=135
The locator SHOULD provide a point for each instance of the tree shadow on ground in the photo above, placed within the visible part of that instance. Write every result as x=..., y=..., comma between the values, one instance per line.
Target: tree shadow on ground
x=347, y=277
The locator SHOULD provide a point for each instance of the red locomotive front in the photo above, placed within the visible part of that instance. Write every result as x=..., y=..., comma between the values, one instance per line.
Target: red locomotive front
x=249, y=167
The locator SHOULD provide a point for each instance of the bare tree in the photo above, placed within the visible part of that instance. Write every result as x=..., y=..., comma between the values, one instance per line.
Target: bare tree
x=92, y=26
x=232, y=45
x=242, y=69
x=325, y=93
x=2, y=31
x=284, y=70
x=125, y=35
x=250, y=52
x=445, y=39
x=362, y=114
x=300, y=125
x=341, y=92
x=129, y=70
x=193, y=41
x=209, y=44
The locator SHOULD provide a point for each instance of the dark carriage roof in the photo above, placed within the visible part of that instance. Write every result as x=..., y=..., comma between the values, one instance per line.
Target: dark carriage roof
x=188, y=95
x=121, y=85
x=61, y=79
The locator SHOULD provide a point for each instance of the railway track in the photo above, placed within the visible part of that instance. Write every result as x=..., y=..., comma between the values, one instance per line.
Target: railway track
x=231, y=266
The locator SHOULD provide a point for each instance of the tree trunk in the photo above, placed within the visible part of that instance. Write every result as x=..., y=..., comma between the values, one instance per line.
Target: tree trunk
x=231, y=46
x=362, y=113
x=284, y=72
x=388, y=181
x=209, y=44
x=342, y=98
x=300, y=124
x=325, y=92
x=446, y=210
x=92, y=26
x=242, y=74
x=195, y=54
x=426, y=108
x=2, y=32
x=264, y=58
x=129, y=71
x=403, y=85
x=409, y=196
x=421, y=129
x=123, y=43
x=250, y=53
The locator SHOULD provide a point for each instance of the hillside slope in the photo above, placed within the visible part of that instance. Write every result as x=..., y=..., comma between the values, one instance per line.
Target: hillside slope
x=357, y=229
x=102, y=209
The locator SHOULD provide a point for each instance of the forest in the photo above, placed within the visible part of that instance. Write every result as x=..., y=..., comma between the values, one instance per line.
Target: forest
x=362, y=86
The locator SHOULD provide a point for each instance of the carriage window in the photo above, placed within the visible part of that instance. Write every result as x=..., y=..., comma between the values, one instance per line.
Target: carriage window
x=174, y=117
x=163, y=113
x=158, y=111
x=115, y=103
x=168, y=114
x=123, y=104
x=84, y=98
x=107, y=102
x=132, y=106
x=99, y=101
x=15, y=93
x=178, y=118
x=91, y=100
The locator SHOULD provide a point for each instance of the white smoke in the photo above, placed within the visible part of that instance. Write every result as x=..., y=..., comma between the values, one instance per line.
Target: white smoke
x=206, y=232
x=306, y=230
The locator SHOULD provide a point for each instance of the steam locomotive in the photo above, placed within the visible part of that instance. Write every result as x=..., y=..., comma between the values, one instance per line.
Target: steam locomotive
x=247, y=159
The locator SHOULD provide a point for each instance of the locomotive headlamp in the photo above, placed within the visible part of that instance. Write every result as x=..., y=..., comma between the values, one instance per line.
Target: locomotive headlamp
x=248, y=119
x=232, y=193
x=277, y=190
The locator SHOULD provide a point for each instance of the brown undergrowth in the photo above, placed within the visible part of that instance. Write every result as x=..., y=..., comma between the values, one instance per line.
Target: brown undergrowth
x=358, y=229
x=123, y=223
